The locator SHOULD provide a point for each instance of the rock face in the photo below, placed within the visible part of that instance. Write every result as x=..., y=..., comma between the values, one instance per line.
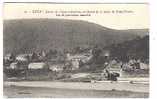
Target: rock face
x=32, y=34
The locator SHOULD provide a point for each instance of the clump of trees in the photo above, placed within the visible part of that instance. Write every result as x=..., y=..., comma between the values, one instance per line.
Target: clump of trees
x=137, y=48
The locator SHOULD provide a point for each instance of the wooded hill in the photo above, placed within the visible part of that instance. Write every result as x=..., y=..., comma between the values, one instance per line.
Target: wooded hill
x=44, y=34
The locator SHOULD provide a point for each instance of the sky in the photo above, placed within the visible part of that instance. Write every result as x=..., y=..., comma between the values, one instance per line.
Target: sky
x=116, y=16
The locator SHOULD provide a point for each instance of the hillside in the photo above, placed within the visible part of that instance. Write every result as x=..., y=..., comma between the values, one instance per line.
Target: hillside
x=137, y=49
x=43, y=34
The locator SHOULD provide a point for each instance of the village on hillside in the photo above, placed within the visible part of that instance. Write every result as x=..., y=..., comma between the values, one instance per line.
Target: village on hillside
x=98, y=62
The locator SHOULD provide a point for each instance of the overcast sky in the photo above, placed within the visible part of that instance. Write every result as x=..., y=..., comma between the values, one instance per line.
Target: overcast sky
x=125, y=16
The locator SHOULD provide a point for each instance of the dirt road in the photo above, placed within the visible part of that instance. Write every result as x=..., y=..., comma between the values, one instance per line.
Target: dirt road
x=121, y=86
x=34, y=92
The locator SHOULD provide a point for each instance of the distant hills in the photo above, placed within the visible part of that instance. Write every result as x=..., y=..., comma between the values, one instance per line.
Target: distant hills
x=44, y=34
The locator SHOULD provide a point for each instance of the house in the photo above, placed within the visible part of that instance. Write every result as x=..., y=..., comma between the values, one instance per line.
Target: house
x=19, y=65
x=13, y=65
x=23, y=57
x=144, y=66
x=8, y=58
x=38, y=65
x=83, y=57
x=56, y=67
x=74, y=60
x=75, y=63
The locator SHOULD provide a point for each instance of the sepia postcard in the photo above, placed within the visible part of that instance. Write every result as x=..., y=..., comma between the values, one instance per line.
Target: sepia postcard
x=75, y=50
